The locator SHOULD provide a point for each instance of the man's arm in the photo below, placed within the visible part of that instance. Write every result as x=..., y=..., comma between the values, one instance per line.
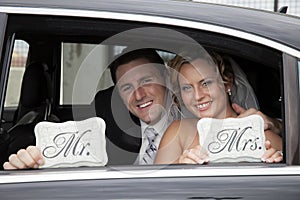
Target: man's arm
x=271, y=124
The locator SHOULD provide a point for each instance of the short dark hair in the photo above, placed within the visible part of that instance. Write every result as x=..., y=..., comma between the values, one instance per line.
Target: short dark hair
x=127, y=56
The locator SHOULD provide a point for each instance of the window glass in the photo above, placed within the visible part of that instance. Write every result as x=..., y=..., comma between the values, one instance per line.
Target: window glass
x=78, y=58
x=17, y=68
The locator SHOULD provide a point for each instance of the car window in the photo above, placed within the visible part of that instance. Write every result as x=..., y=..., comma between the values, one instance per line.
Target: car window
x=16, y=72
x=77, y=65
x=85, y=73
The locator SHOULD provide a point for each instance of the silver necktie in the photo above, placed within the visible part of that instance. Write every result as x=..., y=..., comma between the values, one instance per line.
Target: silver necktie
x=151, y=149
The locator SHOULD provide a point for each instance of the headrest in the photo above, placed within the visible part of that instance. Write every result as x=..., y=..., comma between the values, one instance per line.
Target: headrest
x=36, y=85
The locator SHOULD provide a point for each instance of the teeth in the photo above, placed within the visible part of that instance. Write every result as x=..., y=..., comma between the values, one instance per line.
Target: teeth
x=145, y=104
x=203, y=105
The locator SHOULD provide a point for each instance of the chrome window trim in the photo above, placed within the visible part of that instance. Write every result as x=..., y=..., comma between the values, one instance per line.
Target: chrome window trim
x=93, y=174
x=150, y=19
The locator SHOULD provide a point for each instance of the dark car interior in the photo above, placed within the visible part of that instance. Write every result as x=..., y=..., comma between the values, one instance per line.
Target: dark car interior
x=40, y=93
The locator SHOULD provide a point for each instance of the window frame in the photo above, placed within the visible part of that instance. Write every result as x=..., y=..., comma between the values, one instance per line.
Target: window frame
x=291, y=109
x=64, y=33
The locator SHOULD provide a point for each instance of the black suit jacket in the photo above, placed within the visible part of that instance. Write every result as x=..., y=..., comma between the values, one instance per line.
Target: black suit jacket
x=123, y=132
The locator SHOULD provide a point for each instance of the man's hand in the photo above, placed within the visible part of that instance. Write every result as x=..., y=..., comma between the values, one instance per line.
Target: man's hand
x=271, y=124
x=30, y=157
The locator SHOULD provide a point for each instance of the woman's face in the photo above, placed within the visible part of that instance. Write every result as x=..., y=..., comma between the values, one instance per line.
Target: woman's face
x=202, y=90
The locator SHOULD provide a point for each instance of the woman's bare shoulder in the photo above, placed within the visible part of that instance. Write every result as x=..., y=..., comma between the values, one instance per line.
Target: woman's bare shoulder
x=184, y=122
x=182, y=132
x=189, y=123
x=183, y=126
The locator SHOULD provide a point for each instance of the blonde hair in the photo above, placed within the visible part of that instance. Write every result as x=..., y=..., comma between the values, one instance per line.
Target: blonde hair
x=222, y=66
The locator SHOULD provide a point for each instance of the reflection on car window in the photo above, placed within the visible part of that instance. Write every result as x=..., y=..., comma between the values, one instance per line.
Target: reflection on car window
x=75, y=58
x=17, y=68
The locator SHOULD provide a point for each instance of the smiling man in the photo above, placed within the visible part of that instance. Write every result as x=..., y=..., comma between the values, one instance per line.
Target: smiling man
x=142, y=88
x=140, y=77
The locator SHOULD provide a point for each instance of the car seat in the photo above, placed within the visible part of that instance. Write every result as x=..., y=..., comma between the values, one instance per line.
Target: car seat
x=34, y=106
x=36, y=91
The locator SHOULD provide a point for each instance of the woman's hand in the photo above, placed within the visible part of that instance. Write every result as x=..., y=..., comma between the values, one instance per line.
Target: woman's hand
x=271, y=155
x=195, y=155
x=30, y=157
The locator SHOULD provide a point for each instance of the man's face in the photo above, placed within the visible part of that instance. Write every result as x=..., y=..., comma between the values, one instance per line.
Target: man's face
x=142, y=89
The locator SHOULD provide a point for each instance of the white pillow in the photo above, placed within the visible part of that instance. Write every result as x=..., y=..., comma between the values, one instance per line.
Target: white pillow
x=72, y=143
x=233, y=139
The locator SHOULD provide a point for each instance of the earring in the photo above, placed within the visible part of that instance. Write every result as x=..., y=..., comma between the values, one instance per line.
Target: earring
x=229, y=92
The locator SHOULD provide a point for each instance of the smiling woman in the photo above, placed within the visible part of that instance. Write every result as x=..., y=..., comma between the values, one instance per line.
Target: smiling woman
x=204, y=83
x=81, y=41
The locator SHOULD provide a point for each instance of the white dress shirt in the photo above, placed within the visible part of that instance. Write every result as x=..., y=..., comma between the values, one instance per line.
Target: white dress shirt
x=160, y=127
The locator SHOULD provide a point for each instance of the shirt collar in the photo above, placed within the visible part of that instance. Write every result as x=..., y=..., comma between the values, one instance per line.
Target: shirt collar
x=159, y=127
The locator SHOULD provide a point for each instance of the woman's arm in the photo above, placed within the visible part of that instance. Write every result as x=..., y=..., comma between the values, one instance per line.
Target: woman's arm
x=180, y=136
x=169, y=148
